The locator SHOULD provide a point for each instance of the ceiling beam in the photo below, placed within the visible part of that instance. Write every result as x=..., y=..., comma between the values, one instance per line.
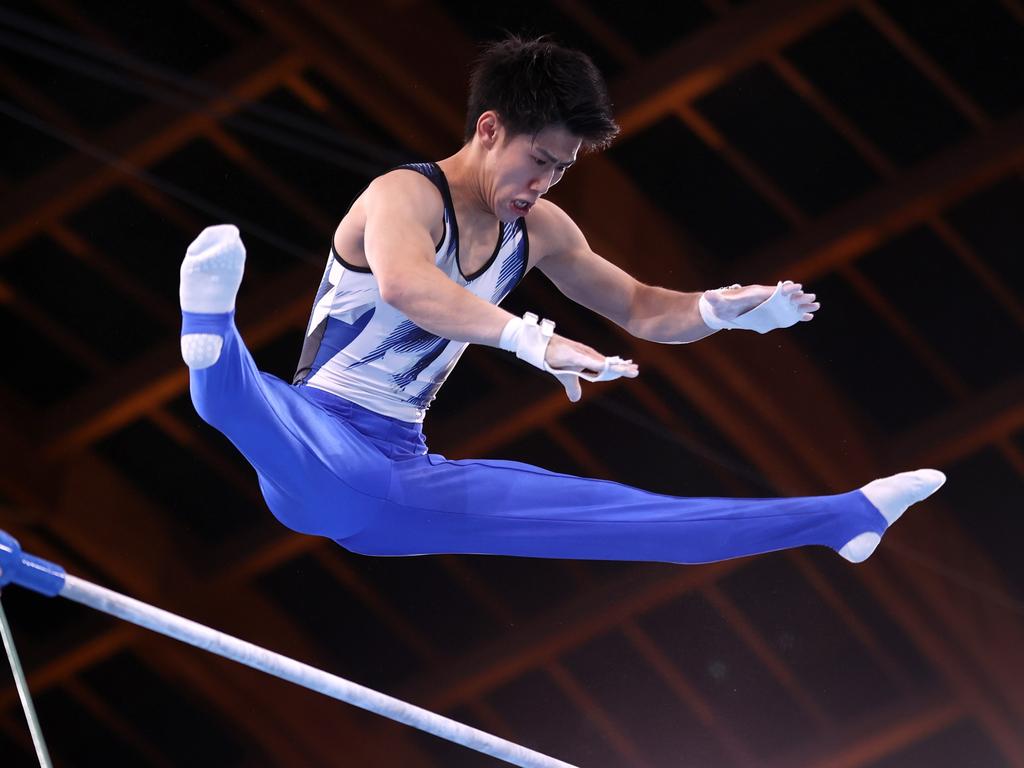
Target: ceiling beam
x=344, y=64
x=546, y=637
x=702, y=61
x=906, y=201
x=159, y=376
x=974, y=644
x=983, y=420
x=924, y=63
x=864, y=741
x=139, y=141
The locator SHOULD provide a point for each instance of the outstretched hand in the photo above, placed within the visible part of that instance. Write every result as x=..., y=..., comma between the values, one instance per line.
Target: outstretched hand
x=757, y=307
x=569, y=361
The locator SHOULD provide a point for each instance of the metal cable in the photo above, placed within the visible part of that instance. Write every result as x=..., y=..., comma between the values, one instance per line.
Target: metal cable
x=23, y=693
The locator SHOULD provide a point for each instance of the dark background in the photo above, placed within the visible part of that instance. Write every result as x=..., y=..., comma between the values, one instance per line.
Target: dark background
x=873, y=150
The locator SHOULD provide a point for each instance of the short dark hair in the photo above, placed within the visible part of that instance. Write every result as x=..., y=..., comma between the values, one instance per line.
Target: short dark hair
x=534, y=84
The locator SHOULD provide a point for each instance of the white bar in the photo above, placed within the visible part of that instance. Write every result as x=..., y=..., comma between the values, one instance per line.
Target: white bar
x=229, y=647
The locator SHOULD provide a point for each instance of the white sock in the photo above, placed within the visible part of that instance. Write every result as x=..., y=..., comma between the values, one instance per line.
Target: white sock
x=212, y=270
x=859, y=548
x=210, y=277
x=891, y=496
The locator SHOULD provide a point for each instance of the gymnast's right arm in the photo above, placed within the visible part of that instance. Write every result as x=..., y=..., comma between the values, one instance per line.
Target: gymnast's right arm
x=400, y=208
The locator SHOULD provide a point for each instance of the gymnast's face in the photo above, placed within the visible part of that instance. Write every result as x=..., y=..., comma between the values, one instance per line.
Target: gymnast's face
x=521, y=168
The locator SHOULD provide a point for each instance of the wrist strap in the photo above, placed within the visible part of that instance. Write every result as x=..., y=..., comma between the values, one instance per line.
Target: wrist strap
x=528, y=337
x=777, y=311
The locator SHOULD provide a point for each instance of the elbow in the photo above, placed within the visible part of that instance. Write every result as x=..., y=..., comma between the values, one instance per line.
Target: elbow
x=408, y=296
x=389, y=293
x=394, y=292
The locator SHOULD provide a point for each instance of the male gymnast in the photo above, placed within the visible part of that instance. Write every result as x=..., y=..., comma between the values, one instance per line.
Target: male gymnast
x=417, y=269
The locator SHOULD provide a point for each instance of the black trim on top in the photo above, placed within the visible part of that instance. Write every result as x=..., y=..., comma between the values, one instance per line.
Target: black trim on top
x=441, y=182
x=334, y=252
x=446, y=192
x=446, y=197
x=346, y=265
x=488, y=263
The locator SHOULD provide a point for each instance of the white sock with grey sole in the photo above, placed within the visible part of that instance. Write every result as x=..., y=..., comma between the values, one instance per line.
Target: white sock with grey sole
x=892, y=496
x=210, y=277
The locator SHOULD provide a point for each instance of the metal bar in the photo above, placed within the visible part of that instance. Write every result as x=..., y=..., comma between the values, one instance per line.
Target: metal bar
x=293, y=671
x=23, y=693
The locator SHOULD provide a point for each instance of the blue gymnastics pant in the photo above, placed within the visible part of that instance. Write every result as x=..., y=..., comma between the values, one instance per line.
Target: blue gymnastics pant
x=332, y=468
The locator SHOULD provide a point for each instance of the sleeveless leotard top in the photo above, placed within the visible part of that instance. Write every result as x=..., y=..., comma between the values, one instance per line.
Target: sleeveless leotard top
x=359, y=348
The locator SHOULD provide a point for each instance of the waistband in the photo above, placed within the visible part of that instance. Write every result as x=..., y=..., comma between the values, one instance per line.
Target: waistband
x=393, y=437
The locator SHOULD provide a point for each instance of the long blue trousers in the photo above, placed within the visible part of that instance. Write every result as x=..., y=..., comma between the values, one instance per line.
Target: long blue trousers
x=332, y=468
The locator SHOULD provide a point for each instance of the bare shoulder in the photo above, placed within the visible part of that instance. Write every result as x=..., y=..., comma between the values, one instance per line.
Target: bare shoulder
x=404, y=191
x=553, y=233
x=401, y=199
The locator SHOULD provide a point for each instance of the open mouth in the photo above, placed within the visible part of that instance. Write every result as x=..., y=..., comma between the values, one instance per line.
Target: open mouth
x=522, y=206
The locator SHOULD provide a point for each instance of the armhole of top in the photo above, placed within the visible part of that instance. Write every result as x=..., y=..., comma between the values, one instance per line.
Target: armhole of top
x=334, y=251
x=440, y=181
x=445, y=204
x=338, y=257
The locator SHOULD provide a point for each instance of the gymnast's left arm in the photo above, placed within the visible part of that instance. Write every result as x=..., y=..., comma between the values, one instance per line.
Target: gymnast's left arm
x=653, y=313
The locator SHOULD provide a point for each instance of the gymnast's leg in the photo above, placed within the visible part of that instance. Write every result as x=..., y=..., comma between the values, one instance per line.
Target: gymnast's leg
x=321, y=476
x=318, y=475
x=508, y=508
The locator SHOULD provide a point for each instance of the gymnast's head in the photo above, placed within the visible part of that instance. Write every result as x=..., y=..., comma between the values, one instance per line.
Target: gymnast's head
x=533, y=106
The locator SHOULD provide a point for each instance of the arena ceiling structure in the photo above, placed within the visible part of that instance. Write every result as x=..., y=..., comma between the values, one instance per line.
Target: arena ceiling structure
x=873, y=149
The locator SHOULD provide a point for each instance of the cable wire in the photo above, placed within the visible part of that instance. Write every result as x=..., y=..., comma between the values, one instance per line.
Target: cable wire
x=362, y=156
x=173, y=190
x=23, y=692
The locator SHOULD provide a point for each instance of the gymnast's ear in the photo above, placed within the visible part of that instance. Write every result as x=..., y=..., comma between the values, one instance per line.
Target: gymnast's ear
x=489, y=128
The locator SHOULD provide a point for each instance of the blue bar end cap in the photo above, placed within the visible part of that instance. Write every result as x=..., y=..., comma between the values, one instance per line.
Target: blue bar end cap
x=28, y=571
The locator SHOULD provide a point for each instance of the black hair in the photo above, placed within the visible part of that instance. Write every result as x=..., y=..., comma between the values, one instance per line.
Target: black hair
x=535, y=84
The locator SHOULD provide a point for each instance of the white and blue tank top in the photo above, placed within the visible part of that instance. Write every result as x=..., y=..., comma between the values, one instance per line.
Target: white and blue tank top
x=363, y=350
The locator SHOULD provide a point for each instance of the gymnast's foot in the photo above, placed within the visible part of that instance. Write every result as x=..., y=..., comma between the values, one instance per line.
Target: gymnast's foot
x=892, y=496
x=210, y=276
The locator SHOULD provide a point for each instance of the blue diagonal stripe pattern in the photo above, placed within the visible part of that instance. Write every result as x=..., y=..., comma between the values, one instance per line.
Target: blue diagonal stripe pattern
x=512, y=267
x=407, y=337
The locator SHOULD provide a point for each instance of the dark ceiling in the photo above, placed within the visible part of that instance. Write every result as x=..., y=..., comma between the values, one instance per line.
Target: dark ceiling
x=872, y=149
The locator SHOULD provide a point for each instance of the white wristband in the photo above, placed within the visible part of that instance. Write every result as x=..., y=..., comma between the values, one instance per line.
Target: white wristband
x=528, y=338
x=509, y=334
x=707, y=314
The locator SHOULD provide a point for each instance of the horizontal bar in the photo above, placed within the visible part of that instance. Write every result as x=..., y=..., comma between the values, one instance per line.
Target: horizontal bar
x=49, y=579
x=293, y=671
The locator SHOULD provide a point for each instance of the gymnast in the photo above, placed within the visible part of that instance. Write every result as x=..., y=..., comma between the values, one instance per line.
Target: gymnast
x=416, y=272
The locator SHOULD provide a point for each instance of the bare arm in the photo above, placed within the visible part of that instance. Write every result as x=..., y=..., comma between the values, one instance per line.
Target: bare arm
x=400, y=209
x=644, y=311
